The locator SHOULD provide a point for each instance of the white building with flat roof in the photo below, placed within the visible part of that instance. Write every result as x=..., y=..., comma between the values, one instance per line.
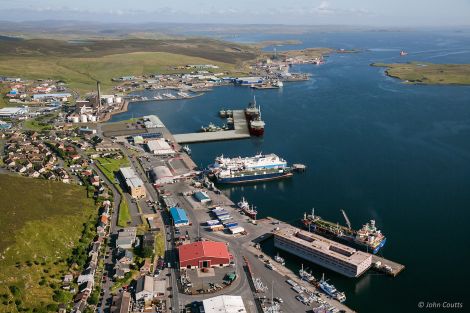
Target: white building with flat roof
x=322, y=251
x=10, y=112
x=134, y=184
x=224, y=304
x=160, y=147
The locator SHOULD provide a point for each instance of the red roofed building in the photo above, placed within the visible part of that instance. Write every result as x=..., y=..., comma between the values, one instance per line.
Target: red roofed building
x=204, y=254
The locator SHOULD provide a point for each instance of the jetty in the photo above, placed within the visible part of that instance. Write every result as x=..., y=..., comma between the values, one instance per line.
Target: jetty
x=386, y=266
x=240, y=131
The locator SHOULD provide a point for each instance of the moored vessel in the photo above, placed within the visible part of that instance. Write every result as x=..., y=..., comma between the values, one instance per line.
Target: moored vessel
x=253, y=175
x=245, y=207
x=330, y=290
x=368, y=238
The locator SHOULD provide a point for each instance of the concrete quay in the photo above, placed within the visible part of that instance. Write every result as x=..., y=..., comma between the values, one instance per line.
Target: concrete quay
x=240, y=131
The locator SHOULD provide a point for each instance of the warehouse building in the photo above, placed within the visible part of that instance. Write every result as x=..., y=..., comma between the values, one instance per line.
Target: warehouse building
x=160, y=147
x=179, y=217
x=202, y=197
x=12, y=112
x=162, y=175
x=134, y=184
x=204, y=254
x=224, y=304
x=322, y=251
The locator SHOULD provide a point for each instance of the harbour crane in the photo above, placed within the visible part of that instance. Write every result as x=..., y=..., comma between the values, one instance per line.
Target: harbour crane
x=346, y=219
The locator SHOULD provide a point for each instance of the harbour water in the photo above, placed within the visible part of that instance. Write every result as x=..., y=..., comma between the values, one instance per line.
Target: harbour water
x=375, y=147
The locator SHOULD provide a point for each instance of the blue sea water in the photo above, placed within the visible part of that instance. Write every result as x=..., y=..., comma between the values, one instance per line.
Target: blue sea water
x=375, y=147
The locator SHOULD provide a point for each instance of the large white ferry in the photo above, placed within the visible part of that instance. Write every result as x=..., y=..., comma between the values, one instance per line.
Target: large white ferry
x=259, y=161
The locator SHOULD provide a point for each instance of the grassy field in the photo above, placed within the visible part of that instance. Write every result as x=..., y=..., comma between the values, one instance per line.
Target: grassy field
x=37, y=234
x=110, y=167
x=428, y=73
x=81, y=64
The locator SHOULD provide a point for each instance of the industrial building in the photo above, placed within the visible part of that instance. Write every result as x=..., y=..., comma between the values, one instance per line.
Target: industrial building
x=134, y=184
x=144, y=289
x=202, y=197
x=322, y=251
x=179, y=217
x=247, y=81
x=162, y=175
x=204, y=254
x=11, y=112
x=224, y=304
x=160, y=147
x=152, y=121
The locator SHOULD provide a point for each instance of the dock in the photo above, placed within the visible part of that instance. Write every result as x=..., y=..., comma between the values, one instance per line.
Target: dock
x=396, y=268
x=240, y=131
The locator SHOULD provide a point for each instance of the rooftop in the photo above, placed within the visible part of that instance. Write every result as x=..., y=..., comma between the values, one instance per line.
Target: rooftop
x=224, y=304
x=199, y=249
x=319, y=243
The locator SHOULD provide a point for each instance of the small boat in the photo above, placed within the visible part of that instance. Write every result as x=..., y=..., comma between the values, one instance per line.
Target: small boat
x=304, y=275
x=403, y=53
x=330, y=290
x=186, y=149
x=244, y=206
x=169, y=95
x=158, y=97
x=223, y=113
x=280, y=260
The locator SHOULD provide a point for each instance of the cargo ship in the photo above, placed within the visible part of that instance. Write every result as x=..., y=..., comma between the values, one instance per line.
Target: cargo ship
x=251, y=175
x=368, y=238
x=259, y=161
x=245, y=207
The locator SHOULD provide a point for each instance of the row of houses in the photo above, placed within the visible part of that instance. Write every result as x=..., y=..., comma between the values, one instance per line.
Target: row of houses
x=86, y=279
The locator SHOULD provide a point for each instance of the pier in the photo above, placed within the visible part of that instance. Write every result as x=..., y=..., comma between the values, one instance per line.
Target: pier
x=388, y=267
x=240, y=131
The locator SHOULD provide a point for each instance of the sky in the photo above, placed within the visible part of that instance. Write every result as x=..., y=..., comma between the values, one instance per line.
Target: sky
x=432, y=13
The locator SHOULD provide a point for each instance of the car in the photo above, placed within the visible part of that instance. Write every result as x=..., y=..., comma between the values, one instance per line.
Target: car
x=278, y=299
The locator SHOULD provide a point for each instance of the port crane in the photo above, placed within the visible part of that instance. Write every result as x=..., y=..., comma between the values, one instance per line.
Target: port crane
x=346, y=219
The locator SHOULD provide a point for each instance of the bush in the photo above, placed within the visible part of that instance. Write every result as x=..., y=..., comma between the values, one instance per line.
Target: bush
x=15, y=291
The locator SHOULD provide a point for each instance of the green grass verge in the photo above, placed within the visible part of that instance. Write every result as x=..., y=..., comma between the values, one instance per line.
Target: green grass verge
x=124, y=214
x=39, y=228
x=160, y=244
x=110, y=167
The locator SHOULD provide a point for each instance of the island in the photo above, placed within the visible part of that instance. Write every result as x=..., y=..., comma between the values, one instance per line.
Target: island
x=428, y=73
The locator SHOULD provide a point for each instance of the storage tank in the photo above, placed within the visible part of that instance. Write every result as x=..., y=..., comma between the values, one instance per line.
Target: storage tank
x=83, y=118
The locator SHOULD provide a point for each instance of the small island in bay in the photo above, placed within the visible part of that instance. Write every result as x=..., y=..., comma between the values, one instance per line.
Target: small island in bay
x=428, y=73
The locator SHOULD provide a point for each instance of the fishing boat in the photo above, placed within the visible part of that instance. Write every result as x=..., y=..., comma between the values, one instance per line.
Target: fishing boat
x=186, y=149
x=403, y=53
x=330, y=290
x=279, y=259
x=244, y=206
x=304, y=275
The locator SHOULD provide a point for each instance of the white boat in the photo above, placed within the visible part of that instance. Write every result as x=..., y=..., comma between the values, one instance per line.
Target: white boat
x=330, y=290
x=304, y=275
x=158, y=97
x=259, y=161
x=169, y=95
x=280, y=260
